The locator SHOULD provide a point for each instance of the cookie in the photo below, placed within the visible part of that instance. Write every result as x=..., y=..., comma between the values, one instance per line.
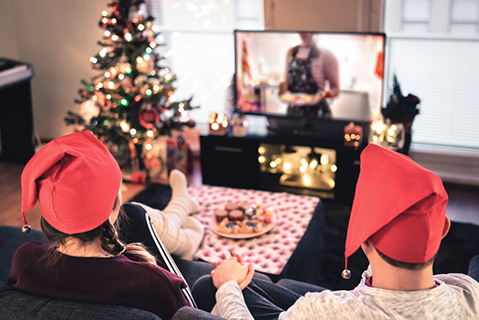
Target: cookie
x=245, y=205
x=228, y=227
x=220, y=215
x=236, y=215
x=247, y=226
x=231, y=206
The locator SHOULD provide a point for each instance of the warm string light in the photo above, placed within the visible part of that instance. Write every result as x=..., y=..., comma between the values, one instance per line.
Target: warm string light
x=103, y=52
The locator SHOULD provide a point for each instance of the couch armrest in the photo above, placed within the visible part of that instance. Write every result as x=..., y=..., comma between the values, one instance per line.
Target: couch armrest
x=11, y=238
x=189, y=313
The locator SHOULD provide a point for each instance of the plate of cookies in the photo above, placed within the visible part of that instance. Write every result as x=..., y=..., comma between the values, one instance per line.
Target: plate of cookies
x=242, y=221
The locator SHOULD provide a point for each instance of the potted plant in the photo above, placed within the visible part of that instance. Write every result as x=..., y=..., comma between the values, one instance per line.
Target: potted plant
x=402, y=109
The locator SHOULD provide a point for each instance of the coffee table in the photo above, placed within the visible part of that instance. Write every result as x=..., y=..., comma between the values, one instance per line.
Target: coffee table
x=268, y=252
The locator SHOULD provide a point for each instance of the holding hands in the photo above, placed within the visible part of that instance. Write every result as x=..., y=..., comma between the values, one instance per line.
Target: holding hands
x=232, y=268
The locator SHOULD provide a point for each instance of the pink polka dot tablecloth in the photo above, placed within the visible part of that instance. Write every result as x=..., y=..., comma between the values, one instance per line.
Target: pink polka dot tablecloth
x=268, y=252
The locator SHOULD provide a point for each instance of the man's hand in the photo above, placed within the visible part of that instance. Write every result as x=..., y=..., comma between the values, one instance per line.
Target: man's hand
x=232, y=268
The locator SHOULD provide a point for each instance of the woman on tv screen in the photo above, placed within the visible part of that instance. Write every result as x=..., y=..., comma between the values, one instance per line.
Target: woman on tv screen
x=307, y=70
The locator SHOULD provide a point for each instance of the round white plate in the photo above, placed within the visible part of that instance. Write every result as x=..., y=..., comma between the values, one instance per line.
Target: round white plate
x=266, y=228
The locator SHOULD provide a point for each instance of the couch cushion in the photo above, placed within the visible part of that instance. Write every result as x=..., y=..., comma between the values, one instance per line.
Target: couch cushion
x=11, y=238
x=20, y=305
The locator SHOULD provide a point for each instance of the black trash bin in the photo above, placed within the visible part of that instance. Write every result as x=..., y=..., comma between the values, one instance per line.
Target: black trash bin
x=16, y=115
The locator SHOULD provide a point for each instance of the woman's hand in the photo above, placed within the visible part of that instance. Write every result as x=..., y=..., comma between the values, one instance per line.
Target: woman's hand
x=232, y=268
x=317, y=97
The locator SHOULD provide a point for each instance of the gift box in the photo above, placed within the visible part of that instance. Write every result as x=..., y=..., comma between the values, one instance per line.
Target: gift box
x=155, y=158
x=179, y=155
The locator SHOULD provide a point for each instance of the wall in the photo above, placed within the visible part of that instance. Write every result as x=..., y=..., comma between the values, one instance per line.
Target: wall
x=8, y=43
x=57, y=37
x=324, y=15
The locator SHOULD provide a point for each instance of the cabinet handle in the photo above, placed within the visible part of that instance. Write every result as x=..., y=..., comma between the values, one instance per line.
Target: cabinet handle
x=228, y=149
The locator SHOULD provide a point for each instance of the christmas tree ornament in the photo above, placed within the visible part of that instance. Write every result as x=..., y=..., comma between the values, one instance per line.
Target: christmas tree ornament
x=88, y=110
x=149, y=117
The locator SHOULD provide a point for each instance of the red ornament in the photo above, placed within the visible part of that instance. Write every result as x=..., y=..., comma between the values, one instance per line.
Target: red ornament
x=149, y=117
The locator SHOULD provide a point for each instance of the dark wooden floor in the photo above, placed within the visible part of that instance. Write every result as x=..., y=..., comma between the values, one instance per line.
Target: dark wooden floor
x=463, y=203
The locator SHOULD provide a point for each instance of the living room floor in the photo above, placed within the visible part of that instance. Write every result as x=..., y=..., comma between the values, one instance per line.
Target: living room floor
x=463, y=205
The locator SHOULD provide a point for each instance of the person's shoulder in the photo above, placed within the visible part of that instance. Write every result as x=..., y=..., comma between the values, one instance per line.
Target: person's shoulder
x=457, y=280
x=145, y=269
x=327, y=54
x=331, y=298
x=32, y=246
x=328, y=304
x=291, y=50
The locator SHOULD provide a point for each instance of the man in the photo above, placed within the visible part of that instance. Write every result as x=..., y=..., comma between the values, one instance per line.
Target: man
x=398, y=218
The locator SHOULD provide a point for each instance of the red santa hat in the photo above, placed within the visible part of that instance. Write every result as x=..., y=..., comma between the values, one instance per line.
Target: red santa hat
x=399, y=206
x=75, y=179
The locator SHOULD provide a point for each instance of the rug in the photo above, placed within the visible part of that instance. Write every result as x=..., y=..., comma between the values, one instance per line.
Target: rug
x=457, y=248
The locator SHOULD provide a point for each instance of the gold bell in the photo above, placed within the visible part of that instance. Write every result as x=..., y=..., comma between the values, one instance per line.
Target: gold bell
x=346, y=274
x=26, y=228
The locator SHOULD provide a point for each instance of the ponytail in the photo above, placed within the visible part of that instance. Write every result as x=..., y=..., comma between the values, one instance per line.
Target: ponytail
x=106, y=232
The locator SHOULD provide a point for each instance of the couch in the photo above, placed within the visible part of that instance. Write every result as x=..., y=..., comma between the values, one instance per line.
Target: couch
x=18, y=305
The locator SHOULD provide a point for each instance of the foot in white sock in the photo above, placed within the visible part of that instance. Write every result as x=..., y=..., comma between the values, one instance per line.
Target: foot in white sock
x=179, y=187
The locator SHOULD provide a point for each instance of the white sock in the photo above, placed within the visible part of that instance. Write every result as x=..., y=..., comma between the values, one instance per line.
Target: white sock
x=181, y=201
x=183, y=240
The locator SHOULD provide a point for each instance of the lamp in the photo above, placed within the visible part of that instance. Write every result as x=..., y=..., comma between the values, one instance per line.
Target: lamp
x=218, y=124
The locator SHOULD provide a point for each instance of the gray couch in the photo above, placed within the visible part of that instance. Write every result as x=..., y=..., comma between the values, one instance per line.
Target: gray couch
x=18, y=305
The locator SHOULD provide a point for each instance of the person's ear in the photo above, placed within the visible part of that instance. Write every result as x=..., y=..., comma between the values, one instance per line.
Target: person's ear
x=367, y=247
x=447, y=225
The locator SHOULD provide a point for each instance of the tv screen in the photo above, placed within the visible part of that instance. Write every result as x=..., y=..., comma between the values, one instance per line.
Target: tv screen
x=309, y=74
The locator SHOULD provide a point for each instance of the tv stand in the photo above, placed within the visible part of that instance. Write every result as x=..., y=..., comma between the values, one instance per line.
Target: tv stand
x=246, y=162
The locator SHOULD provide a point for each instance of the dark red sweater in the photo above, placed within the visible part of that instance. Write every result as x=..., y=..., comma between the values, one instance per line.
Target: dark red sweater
x=117, y=281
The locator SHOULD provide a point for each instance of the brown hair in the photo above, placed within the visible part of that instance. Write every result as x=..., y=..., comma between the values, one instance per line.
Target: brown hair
x=406, y=265
x=106, y=232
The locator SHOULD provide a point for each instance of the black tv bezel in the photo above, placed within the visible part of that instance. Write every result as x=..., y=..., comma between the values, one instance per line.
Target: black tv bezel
x=277, y=116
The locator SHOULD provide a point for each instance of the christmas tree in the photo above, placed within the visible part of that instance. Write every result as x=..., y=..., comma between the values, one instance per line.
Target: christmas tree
x=131, y=99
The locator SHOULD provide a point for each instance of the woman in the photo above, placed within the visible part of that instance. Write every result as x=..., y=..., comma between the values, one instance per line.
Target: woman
x=77, y=183
x=307, y=70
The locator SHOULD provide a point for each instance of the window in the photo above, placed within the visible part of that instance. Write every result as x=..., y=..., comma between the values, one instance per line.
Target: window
x=199, y=46
x=433, y=47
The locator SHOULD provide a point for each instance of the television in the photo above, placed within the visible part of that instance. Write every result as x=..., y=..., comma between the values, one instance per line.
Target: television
x=292, y=77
